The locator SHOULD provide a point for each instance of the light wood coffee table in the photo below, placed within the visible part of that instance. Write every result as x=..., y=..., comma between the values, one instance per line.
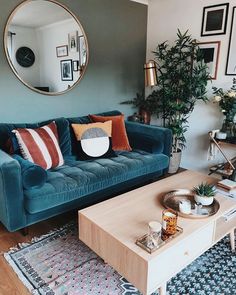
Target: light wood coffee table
x=111, y=228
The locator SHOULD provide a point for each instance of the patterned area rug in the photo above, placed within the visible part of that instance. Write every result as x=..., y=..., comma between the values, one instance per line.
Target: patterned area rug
x=61, y=264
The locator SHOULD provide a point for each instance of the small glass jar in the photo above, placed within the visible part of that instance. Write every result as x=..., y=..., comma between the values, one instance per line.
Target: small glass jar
x=154, y=233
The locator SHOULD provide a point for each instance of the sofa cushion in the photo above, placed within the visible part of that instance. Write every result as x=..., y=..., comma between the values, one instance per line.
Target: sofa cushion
x=33, y=176
x=84, y=120
x=77, y=178
x=40, y=145
x=93, y=140
x=62, y=128
x=120, y=141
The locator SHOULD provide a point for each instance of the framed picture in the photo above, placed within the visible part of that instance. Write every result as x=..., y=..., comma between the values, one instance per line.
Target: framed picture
x=62, y=51
x=66, y=70
x=231, y=57
x=214, y=20
x=82, y=51
x=210, y=52
x=75, y=65
x=73, y=41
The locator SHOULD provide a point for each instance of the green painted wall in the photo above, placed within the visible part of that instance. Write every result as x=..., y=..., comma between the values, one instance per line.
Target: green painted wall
x=116, y=31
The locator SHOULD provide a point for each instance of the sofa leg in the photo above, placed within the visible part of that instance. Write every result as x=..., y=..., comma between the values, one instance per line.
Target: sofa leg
x=25, y=231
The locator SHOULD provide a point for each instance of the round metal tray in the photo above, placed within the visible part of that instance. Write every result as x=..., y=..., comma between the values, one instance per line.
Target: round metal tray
x=171, y=201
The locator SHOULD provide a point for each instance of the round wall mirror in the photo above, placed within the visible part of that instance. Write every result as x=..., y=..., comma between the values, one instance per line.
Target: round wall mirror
x=46, y=46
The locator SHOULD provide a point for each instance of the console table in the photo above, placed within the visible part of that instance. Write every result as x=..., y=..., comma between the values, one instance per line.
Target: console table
x=227, y=169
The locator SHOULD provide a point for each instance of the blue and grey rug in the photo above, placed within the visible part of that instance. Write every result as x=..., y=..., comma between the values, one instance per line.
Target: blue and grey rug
x=60, y=264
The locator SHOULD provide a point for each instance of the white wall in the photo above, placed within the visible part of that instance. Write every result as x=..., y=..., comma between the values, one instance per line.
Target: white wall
x=50, y=37
x=26, y=37
x=164, y=17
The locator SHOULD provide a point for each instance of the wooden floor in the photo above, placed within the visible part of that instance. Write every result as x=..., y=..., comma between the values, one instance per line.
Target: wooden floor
x=9, y=282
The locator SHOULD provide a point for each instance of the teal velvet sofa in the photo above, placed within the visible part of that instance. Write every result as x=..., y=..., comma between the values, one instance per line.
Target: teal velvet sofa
x=77, y=184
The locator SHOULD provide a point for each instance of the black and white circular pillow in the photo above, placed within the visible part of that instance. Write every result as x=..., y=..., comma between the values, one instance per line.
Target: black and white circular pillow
x=93, y=140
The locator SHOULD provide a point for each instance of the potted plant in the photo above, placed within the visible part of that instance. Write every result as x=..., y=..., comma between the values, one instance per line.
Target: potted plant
x=144, y=105
x=227, y=103
x=182, y=81
x=204, y=193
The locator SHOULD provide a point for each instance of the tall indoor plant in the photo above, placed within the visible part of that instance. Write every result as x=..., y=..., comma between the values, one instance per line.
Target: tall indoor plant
x=182, y=81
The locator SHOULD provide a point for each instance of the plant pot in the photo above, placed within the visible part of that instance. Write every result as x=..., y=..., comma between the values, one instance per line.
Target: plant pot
x=175, y=160
x=146, y=116
x=205, y=201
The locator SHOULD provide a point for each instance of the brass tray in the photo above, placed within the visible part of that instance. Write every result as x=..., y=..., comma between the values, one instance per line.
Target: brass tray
x=172, y=198
x=143, y=241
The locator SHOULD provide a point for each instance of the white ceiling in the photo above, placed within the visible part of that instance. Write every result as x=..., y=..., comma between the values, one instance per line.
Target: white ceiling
x=39, y=13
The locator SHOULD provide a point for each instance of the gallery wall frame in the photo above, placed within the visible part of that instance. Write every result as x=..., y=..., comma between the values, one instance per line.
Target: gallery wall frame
x=62, y=50
x=66, y=70
x=214, y=19
x=231, y=56
x=75, y=65
x=82, y=51
x=73, y=41
x=211, y=51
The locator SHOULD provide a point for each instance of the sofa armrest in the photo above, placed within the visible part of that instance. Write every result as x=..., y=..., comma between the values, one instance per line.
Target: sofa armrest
x=12, y=213
x=149, y=138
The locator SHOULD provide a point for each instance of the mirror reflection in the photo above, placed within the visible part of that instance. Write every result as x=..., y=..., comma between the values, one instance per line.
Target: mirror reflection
x=46, y=46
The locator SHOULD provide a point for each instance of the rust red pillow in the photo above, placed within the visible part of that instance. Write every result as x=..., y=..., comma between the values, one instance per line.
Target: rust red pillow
x=120, y=141
x=40, y=145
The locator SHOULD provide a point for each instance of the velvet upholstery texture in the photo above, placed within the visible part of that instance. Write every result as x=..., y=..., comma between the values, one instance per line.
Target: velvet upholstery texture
x=152, y=139
x=78, y=178
x=12, y=211
x=120, y=141
x=33, y=176
x=79, y=183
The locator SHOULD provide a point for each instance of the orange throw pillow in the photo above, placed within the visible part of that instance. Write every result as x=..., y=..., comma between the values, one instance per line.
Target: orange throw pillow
x=120, y=141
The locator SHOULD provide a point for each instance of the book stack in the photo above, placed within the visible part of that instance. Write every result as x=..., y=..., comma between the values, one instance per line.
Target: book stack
x=227, y=187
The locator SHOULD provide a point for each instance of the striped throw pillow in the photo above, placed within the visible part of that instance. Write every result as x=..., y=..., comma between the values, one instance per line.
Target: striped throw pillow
x=40, y=145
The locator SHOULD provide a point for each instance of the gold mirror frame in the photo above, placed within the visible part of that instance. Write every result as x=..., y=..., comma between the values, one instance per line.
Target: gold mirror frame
x=11, y=64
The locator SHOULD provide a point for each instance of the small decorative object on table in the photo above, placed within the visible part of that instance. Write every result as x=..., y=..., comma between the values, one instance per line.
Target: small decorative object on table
x=169, y=223
x=221, y=135
x=154, y=231
x=135, y=118
x=204, y=193
x=185, y=206
x=152, y=241
x=179, y=199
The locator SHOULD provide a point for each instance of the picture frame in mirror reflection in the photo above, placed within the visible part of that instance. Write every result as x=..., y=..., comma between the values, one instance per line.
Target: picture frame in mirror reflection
x=75, y=65
x=66, y=70
x=62, y=50
x=73, y=41
x=82, y=51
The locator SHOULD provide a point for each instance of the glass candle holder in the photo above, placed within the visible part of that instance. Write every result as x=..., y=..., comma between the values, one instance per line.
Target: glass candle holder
x=154, y=232
x=169, y=223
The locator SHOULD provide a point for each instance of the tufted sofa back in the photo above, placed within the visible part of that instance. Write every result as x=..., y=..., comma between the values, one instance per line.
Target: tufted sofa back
x=66, y=135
